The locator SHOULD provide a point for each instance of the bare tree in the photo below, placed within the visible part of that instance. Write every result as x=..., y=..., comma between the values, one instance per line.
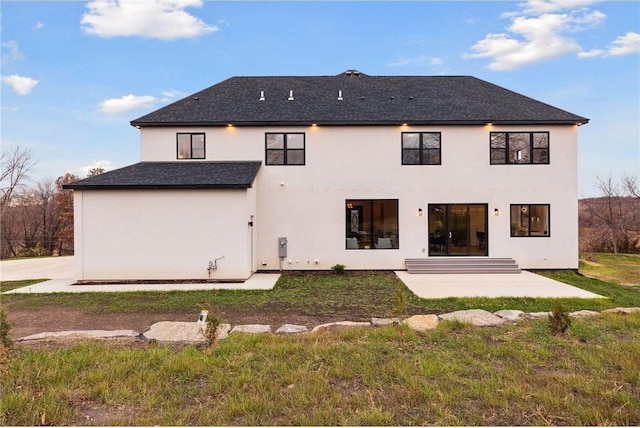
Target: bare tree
x=613, y=218
x=16, y=165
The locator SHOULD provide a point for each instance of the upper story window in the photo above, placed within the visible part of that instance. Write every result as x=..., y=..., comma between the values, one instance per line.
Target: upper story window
x=421, y=148
x=191, y=145
x=530, y=220
x=519, y=148
x=284, y=148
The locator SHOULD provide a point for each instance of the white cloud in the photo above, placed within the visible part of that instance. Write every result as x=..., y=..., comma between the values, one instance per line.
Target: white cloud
x=592, y=53
x=20, y=84
x=159, y=19
x=38, y=25
x=104, y=164
x=171, y=94
x=127, y=103
x=536, y=7
x=420, y=60
x=11, y=52
x=531, y=39
x=626, y=45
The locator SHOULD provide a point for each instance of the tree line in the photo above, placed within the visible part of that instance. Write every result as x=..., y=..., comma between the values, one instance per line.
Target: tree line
x=36, y=217
x=611, y=222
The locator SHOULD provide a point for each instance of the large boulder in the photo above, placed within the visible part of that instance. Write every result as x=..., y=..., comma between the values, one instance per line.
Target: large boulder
x=291, y=329
x=251, y=328
x=421, y=322
x=621, y=311
x=477, y=317
x=341, y=325
x=177, y=331
x=509, y=314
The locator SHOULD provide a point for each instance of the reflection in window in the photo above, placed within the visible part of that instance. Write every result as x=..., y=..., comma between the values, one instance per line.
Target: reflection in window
x=372, y=224
x=519, y=147
x=284, y=148
x=191, y=146
x=530, y=220
x=421, y=148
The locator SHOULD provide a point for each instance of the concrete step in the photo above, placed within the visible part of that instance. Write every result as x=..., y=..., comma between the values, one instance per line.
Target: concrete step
x=461, y=265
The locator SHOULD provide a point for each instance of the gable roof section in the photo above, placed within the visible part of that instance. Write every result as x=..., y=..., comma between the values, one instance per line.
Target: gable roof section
x=174, y=175
x=366, y=100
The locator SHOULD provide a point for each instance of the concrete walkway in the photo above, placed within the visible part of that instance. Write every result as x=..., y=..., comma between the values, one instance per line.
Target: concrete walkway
x=429, y=286
x=523, y=284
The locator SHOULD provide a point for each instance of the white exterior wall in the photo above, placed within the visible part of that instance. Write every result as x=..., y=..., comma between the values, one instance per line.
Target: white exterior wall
x=163, y=234
x=306, y=203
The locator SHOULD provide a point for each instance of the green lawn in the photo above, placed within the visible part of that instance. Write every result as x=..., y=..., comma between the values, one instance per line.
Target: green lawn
x=454, y=375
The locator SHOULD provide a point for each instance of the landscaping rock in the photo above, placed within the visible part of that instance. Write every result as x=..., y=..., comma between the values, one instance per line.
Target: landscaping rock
x=340, y=325
x=509, y=314
x=251, y=328
x=379, y=322
x=222, y=332
x=477, y=317
x=536, y=315
x=422, y=322
x=584, y=313
x=621, y=311
x=174, y=331
x=292, y=329
x=74, y=334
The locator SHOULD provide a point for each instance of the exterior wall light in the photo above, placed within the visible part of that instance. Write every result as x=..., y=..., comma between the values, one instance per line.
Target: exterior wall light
x=419, y=212
x=496, y=212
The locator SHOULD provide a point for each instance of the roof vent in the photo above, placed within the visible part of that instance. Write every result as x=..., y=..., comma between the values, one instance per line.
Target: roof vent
x=352, y=73
x=262, y=96
x=291, y=95
x=340, y=95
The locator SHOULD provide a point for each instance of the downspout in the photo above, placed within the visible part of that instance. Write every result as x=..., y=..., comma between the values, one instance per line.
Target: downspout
x=251, y=232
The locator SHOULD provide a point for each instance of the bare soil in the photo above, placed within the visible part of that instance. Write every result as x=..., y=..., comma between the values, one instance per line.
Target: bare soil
x=25, y=322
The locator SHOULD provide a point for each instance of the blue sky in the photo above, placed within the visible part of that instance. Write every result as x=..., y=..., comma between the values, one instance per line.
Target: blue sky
x=75, y=73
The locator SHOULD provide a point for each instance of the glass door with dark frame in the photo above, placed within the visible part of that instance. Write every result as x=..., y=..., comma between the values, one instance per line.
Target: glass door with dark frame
x=458, y=229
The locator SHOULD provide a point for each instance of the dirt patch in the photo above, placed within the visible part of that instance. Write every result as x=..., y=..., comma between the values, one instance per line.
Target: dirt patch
x=55, y=318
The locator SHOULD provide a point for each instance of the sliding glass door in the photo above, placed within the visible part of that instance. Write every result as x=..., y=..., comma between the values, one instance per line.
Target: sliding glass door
x=458, y=230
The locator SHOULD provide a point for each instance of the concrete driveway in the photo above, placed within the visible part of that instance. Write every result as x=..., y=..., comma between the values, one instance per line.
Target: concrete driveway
x=41, y=267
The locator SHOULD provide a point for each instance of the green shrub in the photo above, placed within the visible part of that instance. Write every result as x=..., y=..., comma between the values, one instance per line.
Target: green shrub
x=559, y=319
x=4, y=329
x=338, y=268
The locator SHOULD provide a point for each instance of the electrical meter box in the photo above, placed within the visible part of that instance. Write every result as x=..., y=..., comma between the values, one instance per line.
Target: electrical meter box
x=282, y=247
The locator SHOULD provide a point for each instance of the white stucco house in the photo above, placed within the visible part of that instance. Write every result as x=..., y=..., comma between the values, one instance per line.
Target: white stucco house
x=271, y=173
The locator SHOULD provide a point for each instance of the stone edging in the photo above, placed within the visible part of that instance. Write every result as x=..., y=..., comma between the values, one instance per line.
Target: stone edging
x=193, y=332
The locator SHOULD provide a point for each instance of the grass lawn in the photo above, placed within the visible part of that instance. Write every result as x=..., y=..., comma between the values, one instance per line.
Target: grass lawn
x=11, y=285
x=454, y=375
x=619, y=268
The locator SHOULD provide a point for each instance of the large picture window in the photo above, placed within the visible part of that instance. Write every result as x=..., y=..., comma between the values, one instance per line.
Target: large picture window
x=190, y=146
x=519, y=148
x=529, y=220
x=421, y=148
x=372, y=224
x=284, y=148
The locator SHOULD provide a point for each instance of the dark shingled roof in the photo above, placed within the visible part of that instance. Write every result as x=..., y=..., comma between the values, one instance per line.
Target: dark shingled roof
x=174, y=175
x=366, y=100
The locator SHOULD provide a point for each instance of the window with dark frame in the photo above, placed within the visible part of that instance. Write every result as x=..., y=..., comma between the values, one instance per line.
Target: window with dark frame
x=529, y=220
x=371, y=224
x=190, y=145
x=421, y=148
x=519, y=148
x=285, y=148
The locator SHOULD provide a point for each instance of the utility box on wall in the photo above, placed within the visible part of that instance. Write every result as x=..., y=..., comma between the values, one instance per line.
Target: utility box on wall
x=282, y=247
